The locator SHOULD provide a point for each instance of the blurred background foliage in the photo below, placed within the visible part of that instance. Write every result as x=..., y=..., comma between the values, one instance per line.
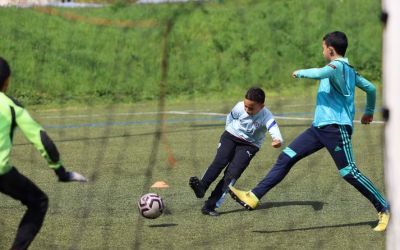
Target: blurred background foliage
x=113, y=54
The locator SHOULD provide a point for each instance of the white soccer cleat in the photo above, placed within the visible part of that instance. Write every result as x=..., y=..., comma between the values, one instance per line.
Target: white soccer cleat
x=74, y=176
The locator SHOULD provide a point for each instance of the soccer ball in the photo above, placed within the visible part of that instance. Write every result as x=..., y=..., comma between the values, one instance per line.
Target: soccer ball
x=150, y=206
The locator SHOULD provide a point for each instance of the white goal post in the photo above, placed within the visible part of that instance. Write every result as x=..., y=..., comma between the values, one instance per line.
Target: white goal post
x=391, y=89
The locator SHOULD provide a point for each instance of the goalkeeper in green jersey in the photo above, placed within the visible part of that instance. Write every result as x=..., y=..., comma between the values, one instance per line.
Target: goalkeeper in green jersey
x=13, y=183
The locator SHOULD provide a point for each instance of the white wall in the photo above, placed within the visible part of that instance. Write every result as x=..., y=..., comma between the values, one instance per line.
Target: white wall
x=26, y=2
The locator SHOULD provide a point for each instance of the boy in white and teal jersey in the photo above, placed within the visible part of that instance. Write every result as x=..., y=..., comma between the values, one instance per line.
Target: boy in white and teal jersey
x=246, y=126
x=332, y=128
x=13, y=183
x=252, y=128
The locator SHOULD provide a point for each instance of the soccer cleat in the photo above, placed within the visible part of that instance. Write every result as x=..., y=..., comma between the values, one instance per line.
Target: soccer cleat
x=383, y=221
x=208, y=211
x=246, y=199
x=197, y=187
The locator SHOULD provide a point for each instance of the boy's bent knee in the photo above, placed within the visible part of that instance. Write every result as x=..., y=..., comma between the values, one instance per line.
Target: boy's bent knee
x=40, y=203
x=289, y=152
x=44, y=203
x=284, y=159
x=348, y=171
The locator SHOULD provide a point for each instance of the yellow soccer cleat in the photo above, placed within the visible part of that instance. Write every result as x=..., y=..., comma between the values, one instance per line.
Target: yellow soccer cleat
x=383, y=221
x=246, y=199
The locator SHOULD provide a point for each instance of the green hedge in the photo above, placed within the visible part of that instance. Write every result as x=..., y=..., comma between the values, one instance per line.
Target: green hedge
x=215, y=48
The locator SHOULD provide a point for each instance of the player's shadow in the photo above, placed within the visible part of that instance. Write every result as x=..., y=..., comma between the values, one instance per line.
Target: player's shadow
x=316, y=205
x=356, y=224
x=164, y=225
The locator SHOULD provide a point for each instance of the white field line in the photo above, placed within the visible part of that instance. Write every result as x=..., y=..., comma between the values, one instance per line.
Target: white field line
x=178, y=113
x=132, y=113
x=310, y=119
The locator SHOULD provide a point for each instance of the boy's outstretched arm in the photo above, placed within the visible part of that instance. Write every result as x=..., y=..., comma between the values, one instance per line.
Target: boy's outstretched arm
x=42, y=142
x=315, y=73
x=276, y=143
x=273, y=130
x=370, y=90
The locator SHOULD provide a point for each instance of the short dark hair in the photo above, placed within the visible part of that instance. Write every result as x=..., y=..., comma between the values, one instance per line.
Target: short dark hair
x=255, y=94
x=5, y=71
x=337, y=40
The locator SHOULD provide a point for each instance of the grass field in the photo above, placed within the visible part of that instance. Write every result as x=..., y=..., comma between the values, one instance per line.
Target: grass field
x=87, y=60
x=116, y=146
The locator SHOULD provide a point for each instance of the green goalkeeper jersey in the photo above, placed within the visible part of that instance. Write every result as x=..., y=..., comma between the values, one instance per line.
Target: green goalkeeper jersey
x=13, y=115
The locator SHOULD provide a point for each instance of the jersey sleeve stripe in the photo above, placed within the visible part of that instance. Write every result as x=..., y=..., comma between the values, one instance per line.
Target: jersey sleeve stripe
x=235, y=118
x=332, y=66
x=271, y=125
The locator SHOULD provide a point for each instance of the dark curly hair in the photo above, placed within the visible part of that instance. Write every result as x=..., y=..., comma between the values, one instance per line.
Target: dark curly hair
x=337, y=40
x=255, y=94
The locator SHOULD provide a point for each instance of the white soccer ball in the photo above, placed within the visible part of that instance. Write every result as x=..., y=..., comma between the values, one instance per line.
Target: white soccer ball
x=151, y=205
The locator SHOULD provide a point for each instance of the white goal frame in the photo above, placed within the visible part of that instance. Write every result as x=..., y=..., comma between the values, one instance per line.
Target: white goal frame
x=391, y=94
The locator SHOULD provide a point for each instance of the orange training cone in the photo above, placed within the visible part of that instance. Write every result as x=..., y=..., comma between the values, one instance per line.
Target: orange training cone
x=160, y=184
